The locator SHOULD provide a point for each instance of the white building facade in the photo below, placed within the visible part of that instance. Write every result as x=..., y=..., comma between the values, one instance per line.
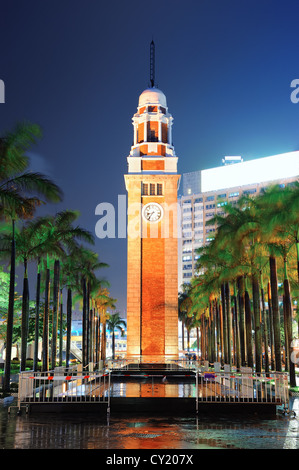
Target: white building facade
x=218, y=186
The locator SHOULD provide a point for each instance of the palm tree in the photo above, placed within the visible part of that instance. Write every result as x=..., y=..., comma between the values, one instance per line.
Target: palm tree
x=115, y=322
x=279, y=208
x=86, y=283
x=61, y=239
x=186, y=289
x=15, y=185
x=103, y=301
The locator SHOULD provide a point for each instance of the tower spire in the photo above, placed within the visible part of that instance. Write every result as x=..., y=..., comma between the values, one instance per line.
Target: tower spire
x=152, y=64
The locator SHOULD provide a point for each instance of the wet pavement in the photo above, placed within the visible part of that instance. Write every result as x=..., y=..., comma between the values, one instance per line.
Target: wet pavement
x=65, y=431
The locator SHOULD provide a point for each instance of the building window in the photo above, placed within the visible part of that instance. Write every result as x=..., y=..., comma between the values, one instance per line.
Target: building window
x=187, y=234
x=159, y=189
x=249, y=191
x=220, y=204
x=144, y=189
x=187, y=275
x=152, y=189
x=210, y=198
x=186, y=267
x=210, y=206
x=233, y=194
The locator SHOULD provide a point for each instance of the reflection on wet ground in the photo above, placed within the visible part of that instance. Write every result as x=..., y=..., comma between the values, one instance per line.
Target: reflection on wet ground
x=64, y=431
x=153, y=387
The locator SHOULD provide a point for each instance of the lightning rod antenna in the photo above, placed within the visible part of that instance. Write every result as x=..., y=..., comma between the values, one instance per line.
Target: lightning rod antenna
x=152, y=64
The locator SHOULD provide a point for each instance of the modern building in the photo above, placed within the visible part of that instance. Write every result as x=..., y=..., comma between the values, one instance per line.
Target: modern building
x=152, y=244
x=221, y=185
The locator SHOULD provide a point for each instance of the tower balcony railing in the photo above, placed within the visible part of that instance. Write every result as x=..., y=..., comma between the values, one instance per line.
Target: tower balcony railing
x=169, y=150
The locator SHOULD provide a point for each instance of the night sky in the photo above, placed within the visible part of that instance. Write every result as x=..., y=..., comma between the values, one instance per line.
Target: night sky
x=78, y=67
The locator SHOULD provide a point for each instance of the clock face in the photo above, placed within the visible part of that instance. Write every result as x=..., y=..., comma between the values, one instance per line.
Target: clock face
x=152, y=212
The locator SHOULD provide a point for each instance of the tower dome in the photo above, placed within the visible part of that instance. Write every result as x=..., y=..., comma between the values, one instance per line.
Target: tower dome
x=152, y=96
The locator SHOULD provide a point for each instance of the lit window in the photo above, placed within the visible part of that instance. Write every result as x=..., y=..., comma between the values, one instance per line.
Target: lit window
x=159, y=189
x=144, y=189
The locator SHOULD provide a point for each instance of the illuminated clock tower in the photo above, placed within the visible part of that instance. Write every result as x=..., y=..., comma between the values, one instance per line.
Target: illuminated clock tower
x=152, y=265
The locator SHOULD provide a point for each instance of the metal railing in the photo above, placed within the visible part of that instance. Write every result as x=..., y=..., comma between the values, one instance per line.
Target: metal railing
x=137, y=363
x=208, y=385
x=64, y=385
x=243, y=387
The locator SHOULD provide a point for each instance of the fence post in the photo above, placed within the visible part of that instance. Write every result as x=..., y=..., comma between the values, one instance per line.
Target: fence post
x=196, y=386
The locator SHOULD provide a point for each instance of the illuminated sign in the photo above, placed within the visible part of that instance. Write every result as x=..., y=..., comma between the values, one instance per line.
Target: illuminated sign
x=276, y=167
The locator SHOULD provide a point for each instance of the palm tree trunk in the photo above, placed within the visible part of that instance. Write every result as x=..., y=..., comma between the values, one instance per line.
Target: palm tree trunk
x=88, y=322
x=10, y=314
x=241, y=301
x=288, y=312
x=224, y=317
x=286, y=336
x=271, y=334
x=97, y=345
x=60, y=329
x=202, y=337
x=236, y=329
x=46, y=323
x=265, y=327
x=103, y=345
x=68, y=325
x=212, y=312
x=37, y=305
x=188, y=339
x=197, y=342
x=84, y=324
x=221, y=333
x=90, y=330
x=113, y=344
x=257, y=323
x=25, y=319
x=275, y=313
x=248, y=327
x=229, y=321
x=218, y=330
x=56, y=290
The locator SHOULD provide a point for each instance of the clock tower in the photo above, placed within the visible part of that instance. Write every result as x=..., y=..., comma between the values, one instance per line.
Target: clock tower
x=152, y=242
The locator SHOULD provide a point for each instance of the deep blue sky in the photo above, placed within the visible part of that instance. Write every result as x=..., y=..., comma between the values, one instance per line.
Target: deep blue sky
x=78, y=67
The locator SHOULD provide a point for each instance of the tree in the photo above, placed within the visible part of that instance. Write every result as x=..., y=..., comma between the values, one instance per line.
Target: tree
x=87, y=285
x=115, y=322
x=15, y=185
x=182, y=312
x=279, y=208
x=103, y=301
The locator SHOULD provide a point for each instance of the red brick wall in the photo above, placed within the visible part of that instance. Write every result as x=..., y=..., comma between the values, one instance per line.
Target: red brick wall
x=148, y=165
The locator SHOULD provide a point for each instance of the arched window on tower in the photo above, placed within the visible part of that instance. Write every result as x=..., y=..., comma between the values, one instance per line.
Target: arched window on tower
x=152, y=131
